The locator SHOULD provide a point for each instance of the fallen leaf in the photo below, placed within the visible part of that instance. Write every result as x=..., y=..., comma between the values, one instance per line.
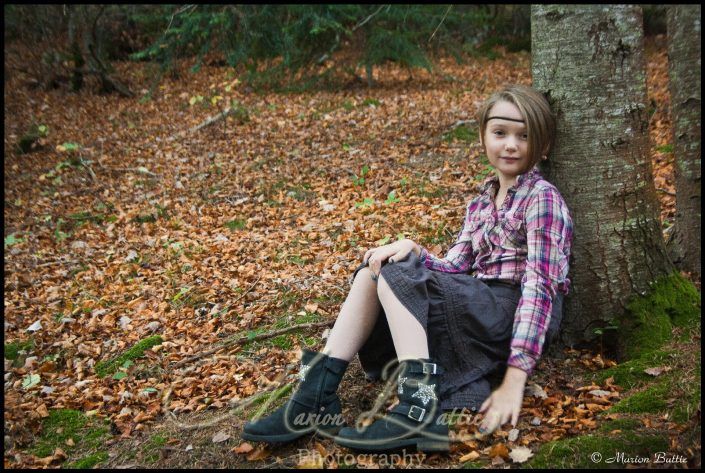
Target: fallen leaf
x=310, y=462
x=520, y=454
x=513, y=435
x=312, y=308
x=321, y=449
x=259, y=454
x=35, y=326
x=42, y=410
x=220, y=437
x=469, y=457
x=535, y=390
x=243, y=448
x=499, y=450
x=657, y=371
x=30, y=381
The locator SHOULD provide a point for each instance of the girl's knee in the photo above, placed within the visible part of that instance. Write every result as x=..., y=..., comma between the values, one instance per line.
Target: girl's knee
x=365, y=274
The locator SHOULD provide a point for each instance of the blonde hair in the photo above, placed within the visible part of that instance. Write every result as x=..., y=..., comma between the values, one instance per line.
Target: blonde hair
x=533, y=106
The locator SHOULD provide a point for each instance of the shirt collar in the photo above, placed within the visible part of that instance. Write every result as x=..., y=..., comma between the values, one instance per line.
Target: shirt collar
x=528, y=177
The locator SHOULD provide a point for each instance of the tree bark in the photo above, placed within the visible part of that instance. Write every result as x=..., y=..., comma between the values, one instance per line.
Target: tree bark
x=684, y=85
x=75, y=50
x=589, y=61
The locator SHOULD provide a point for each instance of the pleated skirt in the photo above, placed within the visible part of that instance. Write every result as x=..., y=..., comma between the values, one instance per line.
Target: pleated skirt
x=468, y=324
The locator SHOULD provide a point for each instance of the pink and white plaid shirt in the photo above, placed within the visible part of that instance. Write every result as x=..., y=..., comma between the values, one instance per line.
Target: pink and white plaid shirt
x=527, y=242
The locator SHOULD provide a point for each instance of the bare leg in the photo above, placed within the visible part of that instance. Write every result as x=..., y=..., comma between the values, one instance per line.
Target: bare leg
x=409, y=336
x=356, y=319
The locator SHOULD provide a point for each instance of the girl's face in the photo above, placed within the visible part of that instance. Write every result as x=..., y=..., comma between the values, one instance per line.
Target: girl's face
x=506, y=141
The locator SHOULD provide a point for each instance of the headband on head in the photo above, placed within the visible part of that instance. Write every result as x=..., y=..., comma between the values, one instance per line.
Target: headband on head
x=505, y=118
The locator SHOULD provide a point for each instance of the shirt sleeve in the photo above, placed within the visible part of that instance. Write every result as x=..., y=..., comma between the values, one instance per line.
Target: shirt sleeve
x=459, y=258
x=549, y=235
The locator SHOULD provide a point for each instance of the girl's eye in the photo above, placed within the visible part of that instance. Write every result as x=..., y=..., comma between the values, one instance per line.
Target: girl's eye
x=498, y=132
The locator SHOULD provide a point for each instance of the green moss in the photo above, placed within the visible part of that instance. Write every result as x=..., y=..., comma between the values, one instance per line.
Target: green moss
x=12, y=349
x=105, y=368
x=282, y=341
x=473, y=465
x=146, y=218
x=307, y=318
x=653, y=399
x=688, y=404
x=631, y=373
x=28, y=140
x=286, y=341
x=620, y=424
x=672, y=301
x=576, y=452
x=461, y=133
x=89, y=462
x=331, y=299
x=236, y=224
x=151, y=448
x=64, y=424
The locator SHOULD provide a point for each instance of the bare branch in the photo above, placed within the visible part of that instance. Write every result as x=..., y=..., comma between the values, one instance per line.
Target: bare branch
x=246, y=339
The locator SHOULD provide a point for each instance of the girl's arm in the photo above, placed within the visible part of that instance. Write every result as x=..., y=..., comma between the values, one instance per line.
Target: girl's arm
x=504, y=404
x=549, y=233
x=549, y=236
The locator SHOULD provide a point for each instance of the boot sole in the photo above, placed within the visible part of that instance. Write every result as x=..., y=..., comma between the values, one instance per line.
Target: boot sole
x=285, y=438
x=421, y=444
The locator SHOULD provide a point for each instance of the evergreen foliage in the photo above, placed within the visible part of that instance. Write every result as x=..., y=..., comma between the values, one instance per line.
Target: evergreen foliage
x=272, y=43
x=268, y=44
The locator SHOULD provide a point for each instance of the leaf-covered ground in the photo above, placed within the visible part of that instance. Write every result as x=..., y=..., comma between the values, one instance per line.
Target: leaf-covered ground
x=125, y=225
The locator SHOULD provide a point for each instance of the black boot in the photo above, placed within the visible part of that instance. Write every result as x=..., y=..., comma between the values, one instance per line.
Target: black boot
x=415, y=421
x=315, y=405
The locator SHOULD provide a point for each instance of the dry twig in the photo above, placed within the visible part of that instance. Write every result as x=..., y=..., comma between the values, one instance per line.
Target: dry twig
x=246, y=339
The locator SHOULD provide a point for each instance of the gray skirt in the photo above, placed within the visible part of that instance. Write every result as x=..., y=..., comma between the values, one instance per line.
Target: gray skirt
x=468, y=324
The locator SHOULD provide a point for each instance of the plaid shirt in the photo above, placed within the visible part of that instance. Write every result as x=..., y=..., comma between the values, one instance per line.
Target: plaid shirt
x=527, y=241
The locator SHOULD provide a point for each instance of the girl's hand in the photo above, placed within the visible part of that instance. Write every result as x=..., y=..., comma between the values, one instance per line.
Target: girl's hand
x=504, y=404
x=396, y=251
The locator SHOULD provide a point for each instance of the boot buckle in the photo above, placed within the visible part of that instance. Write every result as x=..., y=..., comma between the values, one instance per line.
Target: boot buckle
x=429, y=368
x=416, y=411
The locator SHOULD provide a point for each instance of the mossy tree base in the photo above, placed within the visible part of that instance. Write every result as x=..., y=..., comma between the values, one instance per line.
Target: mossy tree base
x=673, y=302
x=660, y=331
x=612, y=446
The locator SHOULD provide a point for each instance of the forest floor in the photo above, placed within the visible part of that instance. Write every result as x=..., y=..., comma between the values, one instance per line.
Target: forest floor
x=133, y=244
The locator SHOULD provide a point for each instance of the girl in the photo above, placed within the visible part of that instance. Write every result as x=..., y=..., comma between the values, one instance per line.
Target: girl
x=453, y=327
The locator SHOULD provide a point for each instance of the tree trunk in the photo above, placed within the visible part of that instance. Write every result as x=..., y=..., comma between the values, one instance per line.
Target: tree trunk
x=684, y=84
x=75, y=50
x=589, y=60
